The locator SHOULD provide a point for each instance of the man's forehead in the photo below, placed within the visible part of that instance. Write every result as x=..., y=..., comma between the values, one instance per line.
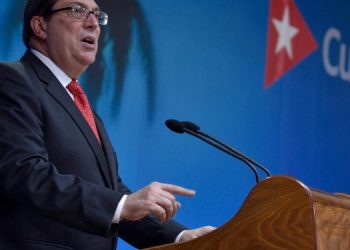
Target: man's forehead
x=91, y=4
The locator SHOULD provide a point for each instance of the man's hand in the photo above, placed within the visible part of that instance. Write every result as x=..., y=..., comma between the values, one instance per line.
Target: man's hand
x=155, y=199
x=195, y=233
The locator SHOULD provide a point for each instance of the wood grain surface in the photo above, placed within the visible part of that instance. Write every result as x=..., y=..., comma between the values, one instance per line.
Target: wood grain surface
x=281, y=213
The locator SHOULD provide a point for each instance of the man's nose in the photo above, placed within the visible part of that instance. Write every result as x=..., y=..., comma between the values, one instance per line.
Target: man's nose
x=92, y=20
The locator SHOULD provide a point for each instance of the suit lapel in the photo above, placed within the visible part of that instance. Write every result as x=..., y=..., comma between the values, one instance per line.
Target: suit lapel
x=109, y=152
x=57, y=91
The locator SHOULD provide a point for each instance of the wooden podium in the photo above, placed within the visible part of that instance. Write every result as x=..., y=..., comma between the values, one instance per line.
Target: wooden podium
x=281, y=213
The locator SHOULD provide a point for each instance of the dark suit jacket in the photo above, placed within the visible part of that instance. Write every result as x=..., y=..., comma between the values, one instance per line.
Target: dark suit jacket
x=58, y=187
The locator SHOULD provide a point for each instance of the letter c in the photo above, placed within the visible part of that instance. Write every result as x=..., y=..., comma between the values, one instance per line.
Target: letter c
x=332, y=33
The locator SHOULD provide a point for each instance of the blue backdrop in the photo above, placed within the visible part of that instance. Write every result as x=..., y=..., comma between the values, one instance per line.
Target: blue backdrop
x=204, y=61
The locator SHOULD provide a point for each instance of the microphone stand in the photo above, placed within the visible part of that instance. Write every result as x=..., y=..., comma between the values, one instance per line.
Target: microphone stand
x=215, y=143
x=195, y=128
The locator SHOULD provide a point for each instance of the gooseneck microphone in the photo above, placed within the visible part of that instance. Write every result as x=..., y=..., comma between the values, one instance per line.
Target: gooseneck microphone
x=195, y=128
x=192, y=129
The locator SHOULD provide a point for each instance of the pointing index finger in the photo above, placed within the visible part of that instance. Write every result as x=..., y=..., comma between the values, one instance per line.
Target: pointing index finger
x=174, y=189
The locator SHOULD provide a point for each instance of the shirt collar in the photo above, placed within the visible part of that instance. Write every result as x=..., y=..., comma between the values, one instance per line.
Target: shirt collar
x=62, y=77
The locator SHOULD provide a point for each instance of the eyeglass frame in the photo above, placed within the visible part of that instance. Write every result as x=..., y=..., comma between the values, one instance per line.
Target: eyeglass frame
x=87, y=12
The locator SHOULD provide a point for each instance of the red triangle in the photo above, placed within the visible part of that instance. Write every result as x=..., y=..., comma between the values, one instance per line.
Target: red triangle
x=278, y=62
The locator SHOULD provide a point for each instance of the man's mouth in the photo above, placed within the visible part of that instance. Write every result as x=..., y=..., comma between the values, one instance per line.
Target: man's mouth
x=89, y=40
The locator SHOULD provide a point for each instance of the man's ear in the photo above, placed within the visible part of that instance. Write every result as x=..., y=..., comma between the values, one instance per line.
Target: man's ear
x=38, y=25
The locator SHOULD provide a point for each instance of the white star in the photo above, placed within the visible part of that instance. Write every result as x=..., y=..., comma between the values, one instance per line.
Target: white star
x=286, y=32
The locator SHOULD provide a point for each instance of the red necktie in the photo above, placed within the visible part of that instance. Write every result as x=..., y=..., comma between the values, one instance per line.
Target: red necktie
x=83, y=105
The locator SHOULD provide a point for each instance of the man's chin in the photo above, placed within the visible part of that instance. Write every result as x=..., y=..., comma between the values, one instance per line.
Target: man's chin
x=87, y=59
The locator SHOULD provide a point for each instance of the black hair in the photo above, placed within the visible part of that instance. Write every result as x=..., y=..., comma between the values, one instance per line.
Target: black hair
x=34, y=8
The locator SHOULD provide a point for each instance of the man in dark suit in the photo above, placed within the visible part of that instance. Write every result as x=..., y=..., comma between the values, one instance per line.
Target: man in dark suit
x=59, y=182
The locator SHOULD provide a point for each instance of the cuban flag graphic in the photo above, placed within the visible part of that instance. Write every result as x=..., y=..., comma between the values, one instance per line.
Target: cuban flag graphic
x=289, y=40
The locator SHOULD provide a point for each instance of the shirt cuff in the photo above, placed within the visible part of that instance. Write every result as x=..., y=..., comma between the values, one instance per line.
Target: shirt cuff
x=177, y=239
x=118, y=212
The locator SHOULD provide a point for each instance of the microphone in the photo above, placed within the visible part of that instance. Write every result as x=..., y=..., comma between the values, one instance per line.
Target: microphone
x=195, y=128
x=175, y=126
x=192, y=129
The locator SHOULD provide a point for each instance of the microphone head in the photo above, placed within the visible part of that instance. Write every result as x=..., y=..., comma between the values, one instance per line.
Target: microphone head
x=191, y=126
x=175, y=126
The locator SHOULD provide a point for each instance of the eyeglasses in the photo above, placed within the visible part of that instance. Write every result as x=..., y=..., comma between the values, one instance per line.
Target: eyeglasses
x=83, y=13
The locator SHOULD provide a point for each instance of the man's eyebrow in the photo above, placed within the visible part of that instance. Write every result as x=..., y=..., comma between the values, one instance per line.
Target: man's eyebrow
x=84, y=6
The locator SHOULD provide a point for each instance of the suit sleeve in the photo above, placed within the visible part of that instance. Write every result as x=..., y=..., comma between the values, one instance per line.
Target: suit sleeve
x=28, y=178
x=149, y=232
